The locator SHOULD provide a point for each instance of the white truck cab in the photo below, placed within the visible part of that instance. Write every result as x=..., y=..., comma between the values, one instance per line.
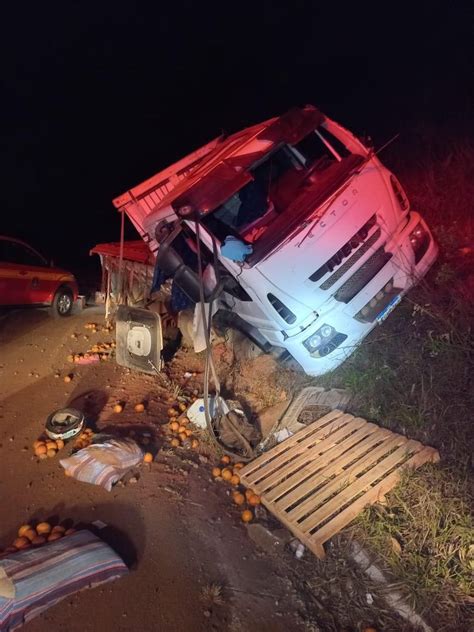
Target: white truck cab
x=332, y=243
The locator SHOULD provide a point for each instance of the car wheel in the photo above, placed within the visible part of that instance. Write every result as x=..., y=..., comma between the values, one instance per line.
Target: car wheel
x=62, y=303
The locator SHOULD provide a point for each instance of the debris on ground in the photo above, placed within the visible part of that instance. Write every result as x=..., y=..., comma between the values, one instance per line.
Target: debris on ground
x=104, y=462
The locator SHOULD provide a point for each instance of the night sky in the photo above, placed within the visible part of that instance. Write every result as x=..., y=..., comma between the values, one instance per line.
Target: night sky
x=101, y=95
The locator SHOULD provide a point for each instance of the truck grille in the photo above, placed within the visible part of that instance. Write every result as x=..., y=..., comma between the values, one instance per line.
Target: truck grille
x=362, y=276
x=340, y=272
x=338, y=257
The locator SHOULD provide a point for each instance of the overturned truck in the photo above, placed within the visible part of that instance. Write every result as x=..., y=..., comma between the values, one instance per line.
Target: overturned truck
x=310, y=240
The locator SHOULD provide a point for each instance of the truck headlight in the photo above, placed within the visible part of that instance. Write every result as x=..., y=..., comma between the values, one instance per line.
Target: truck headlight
x=323, y=341
x=419, y=240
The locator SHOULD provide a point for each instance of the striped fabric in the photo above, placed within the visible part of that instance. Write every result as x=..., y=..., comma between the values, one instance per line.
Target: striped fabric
x=103, y=463
x=46, y=575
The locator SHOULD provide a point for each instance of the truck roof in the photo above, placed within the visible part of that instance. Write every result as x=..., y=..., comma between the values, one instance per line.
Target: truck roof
x=135, y=250
x=207, y=177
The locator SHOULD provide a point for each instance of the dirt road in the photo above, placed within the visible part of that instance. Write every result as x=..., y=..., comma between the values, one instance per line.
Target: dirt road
x=176, y=528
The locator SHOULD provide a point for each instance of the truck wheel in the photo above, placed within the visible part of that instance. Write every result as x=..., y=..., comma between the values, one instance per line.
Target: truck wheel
x=62, y=303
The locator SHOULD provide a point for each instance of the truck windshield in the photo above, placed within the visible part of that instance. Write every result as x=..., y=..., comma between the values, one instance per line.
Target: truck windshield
x=278, y=180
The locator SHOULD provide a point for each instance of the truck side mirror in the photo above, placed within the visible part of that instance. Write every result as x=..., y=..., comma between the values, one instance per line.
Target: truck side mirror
x=367, y=141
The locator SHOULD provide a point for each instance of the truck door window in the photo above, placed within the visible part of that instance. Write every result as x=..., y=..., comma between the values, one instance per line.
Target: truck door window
x=313, y=151
x=250, y=210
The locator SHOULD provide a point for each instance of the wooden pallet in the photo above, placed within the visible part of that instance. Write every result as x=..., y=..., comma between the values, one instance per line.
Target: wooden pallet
x=317, y=481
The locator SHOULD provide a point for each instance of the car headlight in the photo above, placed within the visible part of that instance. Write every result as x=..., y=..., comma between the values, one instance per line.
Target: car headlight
x=419, y=240
x=323, y=341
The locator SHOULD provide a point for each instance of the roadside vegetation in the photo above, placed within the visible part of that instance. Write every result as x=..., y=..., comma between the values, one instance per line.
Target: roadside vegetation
x=415, y=375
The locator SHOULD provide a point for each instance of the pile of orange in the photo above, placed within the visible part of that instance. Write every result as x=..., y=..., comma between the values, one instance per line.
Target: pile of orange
x=44, y=448
x=240, y=496
x=29, y=536
x=138, y=408
x=102, y=347
x=94, y=327
x=84, y=439
x=179, y=430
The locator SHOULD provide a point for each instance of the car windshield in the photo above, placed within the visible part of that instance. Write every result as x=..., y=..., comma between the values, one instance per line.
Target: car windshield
x=277, y=181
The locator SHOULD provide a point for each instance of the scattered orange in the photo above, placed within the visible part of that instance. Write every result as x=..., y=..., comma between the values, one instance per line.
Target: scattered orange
x=226, y=474
x=21, y=543
x=37, y=444
x=254, y=500
x=248, y=493
x=183, y=436
x=184, y=421
x=54, y=536
x=182, y=407
x=43, y=528
x=175, y=443
x=41, y=449
x=51, y=445
x=139, y=408
x=246, y=515
x=235, y=480
x=239, y=466
x=60, y=444
x=30, y=534
x=43, y=456
x=51, y=452
x=148, y=457
x=68, y=472
x=118, y=408
x=195, y=444
x=58, y=529
x=238, y=498
x=23, y=529
x=68, y=378
x=216, y=471
x=174, y=425
x=172, y=412
x=181, y=429
x=38, y=540
x=225, y=459
x=188, y=432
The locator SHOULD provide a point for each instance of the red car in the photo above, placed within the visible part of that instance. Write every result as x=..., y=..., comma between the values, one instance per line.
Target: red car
x=26, y=278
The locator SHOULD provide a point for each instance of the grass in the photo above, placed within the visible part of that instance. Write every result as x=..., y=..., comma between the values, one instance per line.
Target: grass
x=415, y=375
x=425, y=535
x=212, y=595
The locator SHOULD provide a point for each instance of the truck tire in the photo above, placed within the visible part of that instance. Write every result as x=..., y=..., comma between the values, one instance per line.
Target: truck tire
x=63, y=303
